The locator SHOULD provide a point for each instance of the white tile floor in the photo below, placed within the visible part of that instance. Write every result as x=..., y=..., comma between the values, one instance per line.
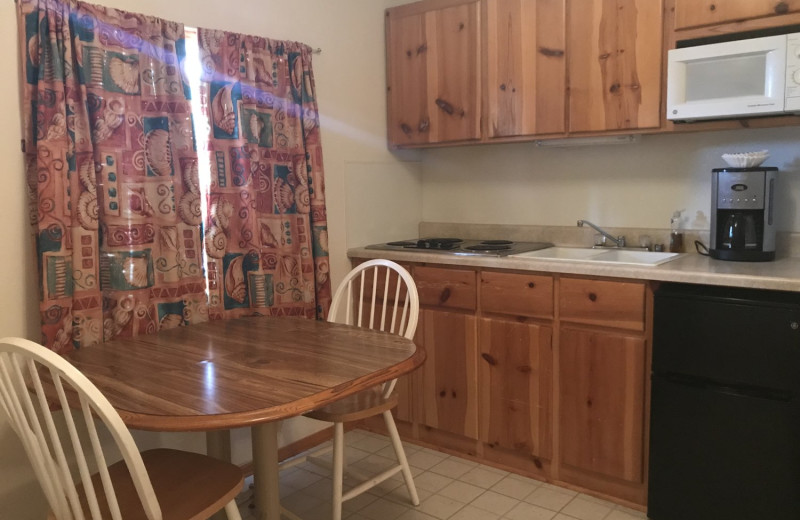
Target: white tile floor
x=449, y=488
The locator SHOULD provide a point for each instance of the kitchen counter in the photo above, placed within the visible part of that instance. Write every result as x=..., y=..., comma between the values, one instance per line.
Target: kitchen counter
x=782, y=274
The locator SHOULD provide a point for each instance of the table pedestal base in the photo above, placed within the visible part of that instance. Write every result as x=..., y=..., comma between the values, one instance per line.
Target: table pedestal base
x=265, y=470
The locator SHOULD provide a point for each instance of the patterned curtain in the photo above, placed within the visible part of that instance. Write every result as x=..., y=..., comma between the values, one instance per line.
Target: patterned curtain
x=112, y=172
x=266, y=235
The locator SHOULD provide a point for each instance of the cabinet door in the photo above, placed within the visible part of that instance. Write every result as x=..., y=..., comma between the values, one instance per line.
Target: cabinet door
x=406, y=50
x=695, y=13
x=433, y=74
x=516, y=386
x=614, y=64
x=601, y=396
x=526, y=67
x=448, y=379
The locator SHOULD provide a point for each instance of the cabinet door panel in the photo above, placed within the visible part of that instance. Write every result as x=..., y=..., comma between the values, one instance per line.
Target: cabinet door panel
x=601, y=396
x=407, y=70
x=615, y=64
x=603, y=303
x=517, y=294
x=446, y=288
x=694, y=13
x=453, y=39
x=526, y=67
x=448, y=379
x=516, y=386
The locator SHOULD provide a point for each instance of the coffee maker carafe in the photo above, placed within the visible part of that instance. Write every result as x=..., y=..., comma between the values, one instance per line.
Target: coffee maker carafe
x=742, y=214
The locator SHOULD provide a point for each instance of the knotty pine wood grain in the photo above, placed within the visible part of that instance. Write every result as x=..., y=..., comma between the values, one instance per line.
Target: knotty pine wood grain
x=696, y=13
x=433, y=68
x=406, y=69
x=516, y=294
x=602, y=303
x=516, y=378
x=525, y=61
x=446, y=288
x=614, y=64
x=601, y=399
x=454, y=95
x=234, y=373
x=448, y=381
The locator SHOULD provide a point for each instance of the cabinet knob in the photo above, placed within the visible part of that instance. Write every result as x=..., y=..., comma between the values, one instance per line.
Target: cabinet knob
x=531, y=285
x=424, y=124
x=405, y=128
x=781, y=8
x=445, y=295
x=592, y=297
x=794, y=325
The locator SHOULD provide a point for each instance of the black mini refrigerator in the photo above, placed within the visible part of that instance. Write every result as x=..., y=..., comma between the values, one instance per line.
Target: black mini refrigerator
x=725, y=411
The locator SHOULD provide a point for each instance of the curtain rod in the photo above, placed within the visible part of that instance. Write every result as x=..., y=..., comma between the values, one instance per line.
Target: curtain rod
x=316, y=50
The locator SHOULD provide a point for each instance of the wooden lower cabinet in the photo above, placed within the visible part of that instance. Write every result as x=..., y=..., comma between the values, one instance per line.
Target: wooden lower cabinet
x=545, y=375
x=515, y=382
x=601, y=396
x=447, y=393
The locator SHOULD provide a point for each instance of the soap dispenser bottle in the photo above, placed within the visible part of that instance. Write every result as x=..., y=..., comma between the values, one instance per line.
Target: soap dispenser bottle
x=676, y=234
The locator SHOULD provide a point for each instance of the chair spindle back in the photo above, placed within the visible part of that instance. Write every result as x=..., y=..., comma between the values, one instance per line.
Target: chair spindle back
x=380, y=295
x=31, y=378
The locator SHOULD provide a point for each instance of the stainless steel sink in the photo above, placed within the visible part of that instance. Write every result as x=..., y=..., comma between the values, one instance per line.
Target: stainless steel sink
x=611, y=256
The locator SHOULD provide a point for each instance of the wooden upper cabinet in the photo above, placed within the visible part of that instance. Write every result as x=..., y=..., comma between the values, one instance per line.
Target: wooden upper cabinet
x=407, y=103
x=433, y=72
x=697, y=13
x=525, y=67
x=614, y=64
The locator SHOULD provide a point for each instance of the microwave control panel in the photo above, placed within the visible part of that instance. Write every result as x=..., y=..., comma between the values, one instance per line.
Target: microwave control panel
x=793, y=72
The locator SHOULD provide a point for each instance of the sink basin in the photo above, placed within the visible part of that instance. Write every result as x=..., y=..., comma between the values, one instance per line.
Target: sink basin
x=612, y=256
x=635, y=257
x=563, y=253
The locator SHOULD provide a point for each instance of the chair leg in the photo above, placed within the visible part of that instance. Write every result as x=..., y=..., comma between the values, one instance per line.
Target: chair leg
x=232, y=510
x=401, y=456
x=338, y=469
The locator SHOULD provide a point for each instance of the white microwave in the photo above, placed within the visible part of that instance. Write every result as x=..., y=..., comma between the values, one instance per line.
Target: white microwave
x=741, y=78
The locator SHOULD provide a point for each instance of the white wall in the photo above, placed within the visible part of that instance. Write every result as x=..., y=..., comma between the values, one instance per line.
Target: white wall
x=351, y=93
x=637, y=185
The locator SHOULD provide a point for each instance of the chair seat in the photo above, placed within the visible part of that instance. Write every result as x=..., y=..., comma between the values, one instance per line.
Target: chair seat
x=355, y=407
x=188, y=485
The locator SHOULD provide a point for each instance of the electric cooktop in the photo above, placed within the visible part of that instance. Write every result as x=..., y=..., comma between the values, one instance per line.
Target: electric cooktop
x=459, y=246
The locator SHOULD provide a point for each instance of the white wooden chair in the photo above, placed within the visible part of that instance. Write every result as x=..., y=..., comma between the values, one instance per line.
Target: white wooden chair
x=378, y=294
x=153, y=485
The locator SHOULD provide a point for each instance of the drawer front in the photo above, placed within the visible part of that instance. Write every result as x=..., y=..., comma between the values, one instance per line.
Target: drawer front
x=517, y=294
x=609, y=304
x=446, y=288
x=378, y=284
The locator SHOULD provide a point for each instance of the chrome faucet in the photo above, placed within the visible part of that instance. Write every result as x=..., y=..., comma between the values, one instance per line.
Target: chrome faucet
x=618, y=241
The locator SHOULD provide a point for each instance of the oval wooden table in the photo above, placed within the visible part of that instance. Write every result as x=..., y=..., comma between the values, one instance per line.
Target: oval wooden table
x=244, y=372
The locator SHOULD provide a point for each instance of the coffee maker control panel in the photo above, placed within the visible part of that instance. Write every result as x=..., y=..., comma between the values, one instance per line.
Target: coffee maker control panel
x=742, y=190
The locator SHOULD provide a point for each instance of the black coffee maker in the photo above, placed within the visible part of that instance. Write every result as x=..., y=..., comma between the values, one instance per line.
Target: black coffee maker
x=743, y=214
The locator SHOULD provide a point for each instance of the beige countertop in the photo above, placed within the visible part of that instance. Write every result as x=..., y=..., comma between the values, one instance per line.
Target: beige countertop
x=782, y=274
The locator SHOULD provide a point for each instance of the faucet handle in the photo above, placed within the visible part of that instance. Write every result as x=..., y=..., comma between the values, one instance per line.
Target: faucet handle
x=621, y=241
